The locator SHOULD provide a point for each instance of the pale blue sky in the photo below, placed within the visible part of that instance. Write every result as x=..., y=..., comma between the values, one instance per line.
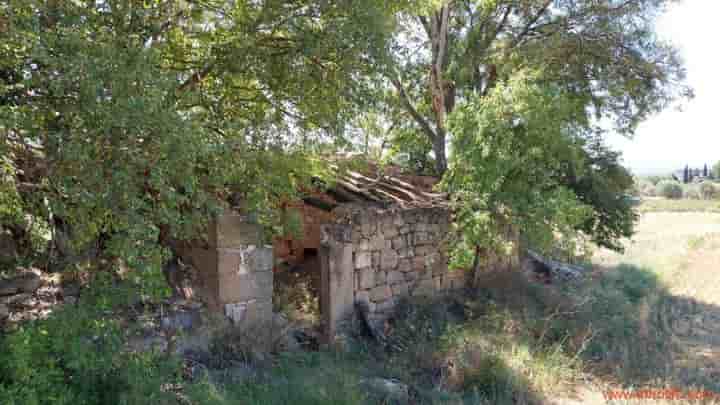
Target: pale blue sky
x=673, y=138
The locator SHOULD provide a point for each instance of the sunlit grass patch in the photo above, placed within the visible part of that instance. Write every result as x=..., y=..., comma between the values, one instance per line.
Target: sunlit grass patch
x=680, y=205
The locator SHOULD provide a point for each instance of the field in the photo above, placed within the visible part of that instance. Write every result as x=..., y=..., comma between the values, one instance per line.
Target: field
x=657, y=204
x=683, y=250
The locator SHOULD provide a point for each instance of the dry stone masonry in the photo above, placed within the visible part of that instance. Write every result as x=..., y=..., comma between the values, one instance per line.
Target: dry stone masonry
x=236, y=271
x=396, y=253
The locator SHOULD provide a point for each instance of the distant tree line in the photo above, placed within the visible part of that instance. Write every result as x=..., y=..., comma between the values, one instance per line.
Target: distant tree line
x=690, y=174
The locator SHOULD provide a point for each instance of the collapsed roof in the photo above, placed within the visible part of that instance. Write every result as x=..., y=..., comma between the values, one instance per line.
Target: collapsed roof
x=383, y=188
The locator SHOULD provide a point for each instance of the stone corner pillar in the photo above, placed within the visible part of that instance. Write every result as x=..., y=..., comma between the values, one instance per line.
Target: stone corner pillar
x=237, y=272
x=337, y=284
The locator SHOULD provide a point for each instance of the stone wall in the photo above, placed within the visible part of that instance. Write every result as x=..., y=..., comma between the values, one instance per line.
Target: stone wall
x=235, y=271
x=396, y=253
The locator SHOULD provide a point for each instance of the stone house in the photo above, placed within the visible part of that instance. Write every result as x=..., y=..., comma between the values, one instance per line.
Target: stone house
x=374, y=240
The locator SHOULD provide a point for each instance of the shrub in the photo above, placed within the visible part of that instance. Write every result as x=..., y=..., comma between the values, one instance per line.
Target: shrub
x=644, y=188
x=691, y=192
x=670, y=189
x=77, y=356
x=708, y=191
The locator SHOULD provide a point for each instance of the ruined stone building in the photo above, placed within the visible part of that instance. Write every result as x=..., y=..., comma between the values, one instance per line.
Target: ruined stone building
x=373, y=239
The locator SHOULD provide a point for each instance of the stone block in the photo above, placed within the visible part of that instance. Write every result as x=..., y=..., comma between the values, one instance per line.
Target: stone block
x=390, y=231
x=404, y=265
x=380, y=277
x=406, y=252
x=368, y=228
x=424, y=288
x=399, y=242
x=365, y=278
x=362, y=297
x=235, y=288
x=251, y=312
x=363, y=245
x=455, y=280
x=385, y=306
x=426, y=250
x=394, y=277
x=410, y=216
x=438, y=283
x=412, y=275
x=377, y=243
x=418, y=263
x=439, y=264
x=363, y=259
x=233, y=230
x=236, y=311
x=380, y=293
x=244, y=261
x=388, y=259
x=401, y=289
x=376, y=260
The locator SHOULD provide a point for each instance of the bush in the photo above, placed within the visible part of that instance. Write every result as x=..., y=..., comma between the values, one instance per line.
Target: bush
x=670, y=189
x=691, y=192
x=708, y=191
x=644, y=188
x=77, y=356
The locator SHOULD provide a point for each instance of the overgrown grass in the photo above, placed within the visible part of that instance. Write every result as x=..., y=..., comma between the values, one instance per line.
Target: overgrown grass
x=306, y=378
x=511, y=341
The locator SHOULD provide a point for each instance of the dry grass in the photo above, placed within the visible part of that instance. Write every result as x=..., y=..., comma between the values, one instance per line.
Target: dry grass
x=683, y=250
x=658, y=204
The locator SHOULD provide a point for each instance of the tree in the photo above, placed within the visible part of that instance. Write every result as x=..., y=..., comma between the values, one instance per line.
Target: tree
x=705, y=170
x=458, y=50
x=127, y=124
x=454, y=63
x=686, y=175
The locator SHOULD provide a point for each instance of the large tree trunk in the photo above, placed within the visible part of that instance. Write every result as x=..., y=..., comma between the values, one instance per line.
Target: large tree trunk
x=442, y=94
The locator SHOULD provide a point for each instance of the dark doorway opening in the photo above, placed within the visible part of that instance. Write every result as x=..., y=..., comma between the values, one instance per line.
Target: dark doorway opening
x=296, y=289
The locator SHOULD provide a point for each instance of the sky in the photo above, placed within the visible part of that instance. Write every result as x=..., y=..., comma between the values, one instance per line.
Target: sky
x=671, y=139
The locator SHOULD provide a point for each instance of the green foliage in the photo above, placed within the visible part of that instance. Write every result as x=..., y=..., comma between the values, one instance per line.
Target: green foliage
x=412, y=152
x=691, y=191
x=654, y=180
x=601, y=182
x=508, y=168
x=708, y=190
x=10, y=202
x=315, y=378
x=715, y=171
x=459, y=68
x=670, y=189
x=143, y=121
x=77, y=356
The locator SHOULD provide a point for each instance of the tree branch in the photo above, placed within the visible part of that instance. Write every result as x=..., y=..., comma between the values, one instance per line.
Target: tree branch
x=530, y=23
x=196, y=78
x=424, y=125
